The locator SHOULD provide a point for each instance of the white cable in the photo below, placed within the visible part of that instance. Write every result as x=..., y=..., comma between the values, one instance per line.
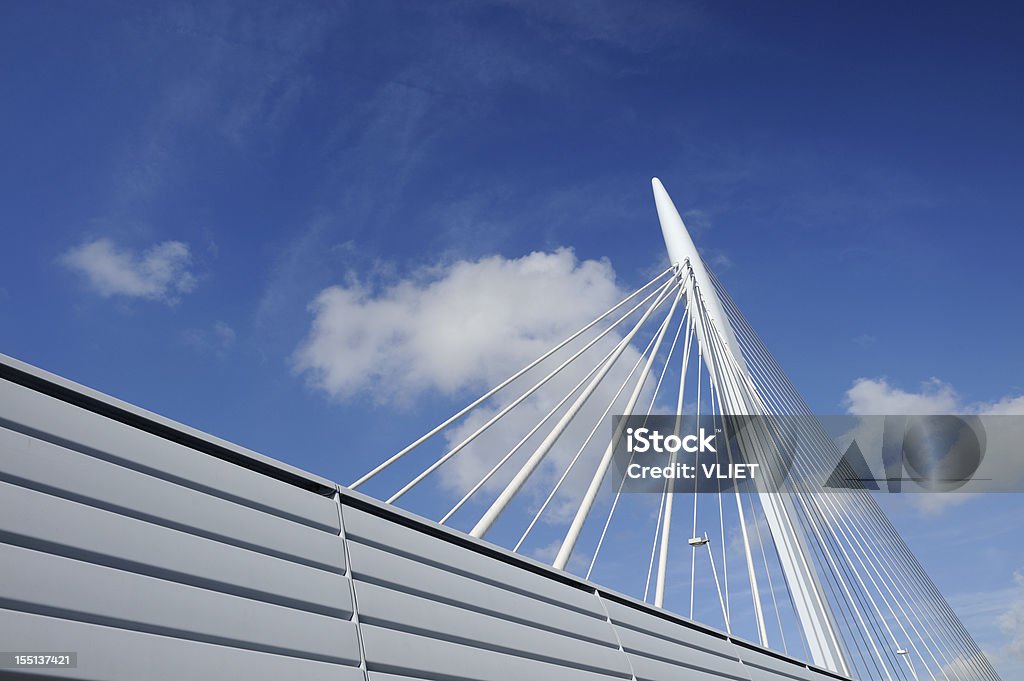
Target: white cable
x=618, y=434
x=711, y=556
x=492, y=513
x=659, y=588
x=465, y=410
x=755, y=593
x=665, y=491
x=693, y=553
x=864, y=625
x=729, y=368
x=721, y=528
x=501, y=462
x=516, y=402
x=586, y=442
x=910, y=565
x=768, y=573
x=783, y=382
x=654, y=544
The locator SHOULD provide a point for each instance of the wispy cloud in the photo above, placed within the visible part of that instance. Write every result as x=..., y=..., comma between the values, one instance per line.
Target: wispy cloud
x=161, y=272
x=217, y=339
x=717, y=260
x=244, y=79
x=634, y=27
x=422, y=102
x=865, y=340
x=1012, y=621
x=996, y=617
x=697, y=220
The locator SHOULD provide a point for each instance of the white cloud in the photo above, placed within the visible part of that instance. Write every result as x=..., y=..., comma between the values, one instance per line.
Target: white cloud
x=161, y=272
x=450, y=328
x=1005, y=406
x=877, y=396
x=1001, y=465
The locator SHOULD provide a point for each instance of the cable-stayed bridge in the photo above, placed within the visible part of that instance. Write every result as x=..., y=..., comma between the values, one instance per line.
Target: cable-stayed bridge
x=507, y=543
x=815, y=573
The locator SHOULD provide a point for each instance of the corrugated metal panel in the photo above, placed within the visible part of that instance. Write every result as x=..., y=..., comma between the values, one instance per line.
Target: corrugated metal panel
x=42, y=582
x=630, y=617
x=660, y=648
x=423, y=616
x=422, y=548
x=66, y=473
x=445, y=604
x=765, y=667
x=428, y=657
x=153, y=560
x=156, y=556
x=116, y=654
x=53, y=420
x=55, y=525
x=654, y=657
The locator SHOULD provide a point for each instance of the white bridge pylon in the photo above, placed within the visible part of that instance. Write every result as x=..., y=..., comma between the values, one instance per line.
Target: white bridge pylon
x=825, y=569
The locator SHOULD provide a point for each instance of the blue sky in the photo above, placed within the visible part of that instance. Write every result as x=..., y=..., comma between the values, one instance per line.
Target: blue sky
x=182, y=181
